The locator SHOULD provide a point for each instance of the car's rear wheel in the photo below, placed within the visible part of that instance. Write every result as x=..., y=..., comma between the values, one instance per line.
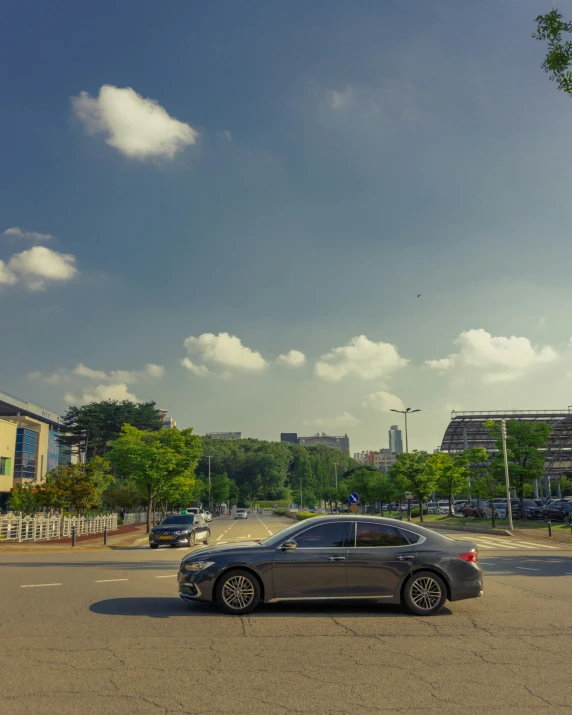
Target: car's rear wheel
x=154, y=546
x=192, y=540
x=425, y=593
x=238, y=592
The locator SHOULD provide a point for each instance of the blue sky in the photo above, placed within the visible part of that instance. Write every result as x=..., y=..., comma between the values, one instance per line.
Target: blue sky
x=313, y=168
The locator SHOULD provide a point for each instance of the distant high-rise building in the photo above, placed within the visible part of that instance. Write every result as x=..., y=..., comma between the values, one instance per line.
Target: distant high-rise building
x=395, y=440
x=290, y=437
x=224, y=435
x=166, y=422
x=341, y=443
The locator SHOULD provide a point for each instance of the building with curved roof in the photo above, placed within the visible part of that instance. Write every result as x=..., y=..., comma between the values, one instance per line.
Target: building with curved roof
x=466, y=429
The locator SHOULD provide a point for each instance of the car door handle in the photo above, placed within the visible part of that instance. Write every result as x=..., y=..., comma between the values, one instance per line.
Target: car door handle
x=337, y=558
x=406, y=557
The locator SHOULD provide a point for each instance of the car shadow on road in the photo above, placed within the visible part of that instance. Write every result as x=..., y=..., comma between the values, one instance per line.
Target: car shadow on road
x=174, y=607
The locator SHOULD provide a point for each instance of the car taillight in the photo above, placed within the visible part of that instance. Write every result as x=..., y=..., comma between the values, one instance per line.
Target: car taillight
x=472, y=556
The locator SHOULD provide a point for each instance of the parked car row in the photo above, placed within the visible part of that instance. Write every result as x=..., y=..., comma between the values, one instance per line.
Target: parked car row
x=555, y=510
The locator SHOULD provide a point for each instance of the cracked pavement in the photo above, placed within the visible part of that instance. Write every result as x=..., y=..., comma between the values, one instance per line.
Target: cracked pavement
x=133, y=647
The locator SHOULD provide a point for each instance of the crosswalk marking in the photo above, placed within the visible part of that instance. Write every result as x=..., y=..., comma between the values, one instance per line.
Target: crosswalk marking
x=490, y=543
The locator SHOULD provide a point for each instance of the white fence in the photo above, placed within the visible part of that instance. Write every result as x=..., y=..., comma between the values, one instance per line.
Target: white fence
x=44, y=528
x=139, y=517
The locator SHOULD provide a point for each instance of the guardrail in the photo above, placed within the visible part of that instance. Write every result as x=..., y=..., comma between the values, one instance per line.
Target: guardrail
x=44, y=528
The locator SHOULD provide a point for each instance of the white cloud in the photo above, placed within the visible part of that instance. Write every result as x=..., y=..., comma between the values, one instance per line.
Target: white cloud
x=498, y=359
x=117, y=391
x=293, y=358
x=361, y=358
x=40, y=264
x=383, y=402
x=225, y=350
x=338, y=99
x=226, y=134
x=125, y=376
x=137, y=127
x=32, y=235
x=6, y=275
x=52, y=379
x=200, y=370
x=340, y=421
x=154, y=370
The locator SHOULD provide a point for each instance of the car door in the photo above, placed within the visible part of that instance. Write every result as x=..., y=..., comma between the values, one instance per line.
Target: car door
x=381, y=558
x=316, y=567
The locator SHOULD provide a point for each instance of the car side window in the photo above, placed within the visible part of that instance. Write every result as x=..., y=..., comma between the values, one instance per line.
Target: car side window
x=325, y=536
x=379, y=535
x=411, y=537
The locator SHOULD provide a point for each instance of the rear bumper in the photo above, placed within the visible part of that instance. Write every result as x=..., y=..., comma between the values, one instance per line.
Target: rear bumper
x=470, y=591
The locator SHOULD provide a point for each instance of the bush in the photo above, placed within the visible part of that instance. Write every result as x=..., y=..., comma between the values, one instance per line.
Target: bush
x=417, y=511
x=301, y=515
x=280, y=512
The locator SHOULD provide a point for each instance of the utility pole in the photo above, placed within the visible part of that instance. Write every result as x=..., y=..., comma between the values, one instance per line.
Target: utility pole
x=506, y=477
x=336, y=471
x=208, y=456
x=301, y=499
x=405, y=412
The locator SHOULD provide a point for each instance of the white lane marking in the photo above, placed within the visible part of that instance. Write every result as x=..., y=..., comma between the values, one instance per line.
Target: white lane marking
x=263, y=524
x=111, y=580
x=490, y=542
x=40, y=585
x=224, y=532
x=248, y=536
x=171, y=575
x=525, y=568
x=487, y=563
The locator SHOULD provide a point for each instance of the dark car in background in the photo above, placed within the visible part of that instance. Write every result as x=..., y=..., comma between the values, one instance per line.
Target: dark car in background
x=558, y=511
x=367, y=558
x=531, y=509
x=180, y=530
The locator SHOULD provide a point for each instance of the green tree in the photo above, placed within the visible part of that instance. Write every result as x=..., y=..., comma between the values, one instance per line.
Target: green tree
x=558, y=60
x=417, y=472
x=154, y=459
x=220, y=489
x=90, y=429
x=484, y=479
x=122, y=495
x=22, y=498
x=525, y=443
x=453, y=474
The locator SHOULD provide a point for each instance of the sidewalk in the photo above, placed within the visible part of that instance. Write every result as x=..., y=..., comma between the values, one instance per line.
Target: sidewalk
x=124, y=536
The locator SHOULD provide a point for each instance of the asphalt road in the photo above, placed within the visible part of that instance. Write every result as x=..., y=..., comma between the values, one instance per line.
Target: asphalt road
x=105, y=632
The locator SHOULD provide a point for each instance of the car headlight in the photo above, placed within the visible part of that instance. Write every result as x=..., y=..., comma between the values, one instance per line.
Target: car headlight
x=196, y=565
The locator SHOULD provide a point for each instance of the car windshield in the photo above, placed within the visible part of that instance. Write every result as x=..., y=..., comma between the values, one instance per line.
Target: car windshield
x=177, y=519
x=285, y=533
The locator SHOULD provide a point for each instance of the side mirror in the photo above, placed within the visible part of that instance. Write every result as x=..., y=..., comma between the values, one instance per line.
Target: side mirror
x=288, y=546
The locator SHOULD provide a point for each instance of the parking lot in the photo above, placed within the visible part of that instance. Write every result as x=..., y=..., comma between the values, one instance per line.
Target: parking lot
x=105, y=632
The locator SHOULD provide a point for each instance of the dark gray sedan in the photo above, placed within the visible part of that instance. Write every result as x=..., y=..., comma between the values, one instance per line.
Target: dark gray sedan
x=180, y=530
x=336, y=557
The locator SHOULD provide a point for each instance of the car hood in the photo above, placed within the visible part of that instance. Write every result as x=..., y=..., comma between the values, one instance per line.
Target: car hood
x=171, y=527
x=220, y=549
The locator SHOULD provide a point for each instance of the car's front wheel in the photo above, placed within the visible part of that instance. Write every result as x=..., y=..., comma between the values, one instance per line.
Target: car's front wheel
x=206, y=540
x=154, y=546
x=192, y=540
x=425, y=594
x=238, y=592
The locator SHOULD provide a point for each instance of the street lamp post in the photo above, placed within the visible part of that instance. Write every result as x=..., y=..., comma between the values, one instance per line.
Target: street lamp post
x=336, y=471
x=405, y=412
x=506, y=479
x=208, y=456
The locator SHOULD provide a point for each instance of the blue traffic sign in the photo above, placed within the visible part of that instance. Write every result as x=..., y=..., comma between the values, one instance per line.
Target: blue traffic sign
x=353, y=498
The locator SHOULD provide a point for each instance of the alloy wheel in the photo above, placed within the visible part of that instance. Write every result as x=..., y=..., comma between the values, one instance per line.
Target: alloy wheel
x=238, y=592
x=425, y=593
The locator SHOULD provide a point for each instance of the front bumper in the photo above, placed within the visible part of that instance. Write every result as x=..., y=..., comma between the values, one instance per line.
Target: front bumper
x=178, y=540
x=196, y=586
